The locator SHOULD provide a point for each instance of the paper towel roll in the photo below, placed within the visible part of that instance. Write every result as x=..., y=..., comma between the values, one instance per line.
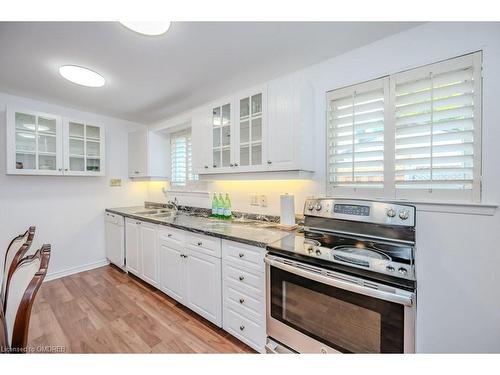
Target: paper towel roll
x=287, y=208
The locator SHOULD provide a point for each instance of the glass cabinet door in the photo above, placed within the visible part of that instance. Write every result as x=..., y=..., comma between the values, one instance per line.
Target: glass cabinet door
x=221, y=136
x=250, y=130
x=83, y=148
x=36, y=143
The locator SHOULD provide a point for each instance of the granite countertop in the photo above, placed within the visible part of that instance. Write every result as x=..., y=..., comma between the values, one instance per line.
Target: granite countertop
x=252, y=232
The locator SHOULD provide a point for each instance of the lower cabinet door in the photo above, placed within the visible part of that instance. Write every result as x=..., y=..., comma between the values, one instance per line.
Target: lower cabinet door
x=173, y=272
x=132, y=235
x=149, y=253
x=204, y=286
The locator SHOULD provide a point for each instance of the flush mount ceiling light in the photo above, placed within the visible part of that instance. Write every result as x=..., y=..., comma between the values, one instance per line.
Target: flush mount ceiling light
x=150, y=28
x=82, y=76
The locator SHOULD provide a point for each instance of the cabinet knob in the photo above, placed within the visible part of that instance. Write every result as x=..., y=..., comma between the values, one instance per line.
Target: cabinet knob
x=241, y=255
x=231, y=165
x=235, y=164
x=169, y=235
x=206, y=166
x=215, y=166
x=269, y=162
x=60, y=169
x=242, y=278
x=138, y=222
x=66, y=169
x=242, y=300
x=242, y=328
x=136, y=172
x=200, y=243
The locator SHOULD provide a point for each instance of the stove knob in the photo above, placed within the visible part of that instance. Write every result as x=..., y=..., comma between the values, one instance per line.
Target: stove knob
x=310, y=206
x=318, y=206
x=403, y=271
x=318, y=252
x=390, y=268
x=403, y=215
x=391, y=212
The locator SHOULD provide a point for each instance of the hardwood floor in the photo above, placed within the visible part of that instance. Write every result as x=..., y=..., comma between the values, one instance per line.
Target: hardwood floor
x=107, y=311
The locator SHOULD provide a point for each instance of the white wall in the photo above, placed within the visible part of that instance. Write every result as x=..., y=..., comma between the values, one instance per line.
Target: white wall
x=67, y=211
x=457, y=253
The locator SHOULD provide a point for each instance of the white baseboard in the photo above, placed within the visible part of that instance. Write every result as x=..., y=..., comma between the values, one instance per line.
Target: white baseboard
x=73, y=270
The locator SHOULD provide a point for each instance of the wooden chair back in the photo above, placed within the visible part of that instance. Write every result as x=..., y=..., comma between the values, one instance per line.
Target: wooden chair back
x=18, y=247
x=24, y=285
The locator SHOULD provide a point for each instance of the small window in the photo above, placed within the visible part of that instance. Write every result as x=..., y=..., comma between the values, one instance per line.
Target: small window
x=410, y=135
x=181, y=158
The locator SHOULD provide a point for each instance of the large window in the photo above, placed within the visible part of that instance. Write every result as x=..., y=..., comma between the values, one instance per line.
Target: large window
x=411, y=135
x=181, y=158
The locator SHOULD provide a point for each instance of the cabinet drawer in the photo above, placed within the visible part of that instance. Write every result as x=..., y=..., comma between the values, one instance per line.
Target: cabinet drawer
x=249, y=305
x=249, y=282
x=171, y=236
x=204, y=244
x=247, y=256
x=249, y=332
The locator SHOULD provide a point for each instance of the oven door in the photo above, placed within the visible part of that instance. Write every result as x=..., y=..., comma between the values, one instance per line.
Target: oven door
x=313, y=310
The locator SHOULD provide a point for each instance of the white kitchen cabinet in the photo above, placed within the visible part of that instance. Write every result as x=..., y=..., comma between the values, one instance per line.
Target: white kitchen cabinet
x=200, y=136
x=141, y=250
x=132, y=238
x=290, y=130
x=172, y=271
x=203, y=291
x=243, y=289
x=34, y=142
x=115, y=239
x=84, y=148
x=148, y=250
x=250, y=131
x=48, y=144
x=148, y=155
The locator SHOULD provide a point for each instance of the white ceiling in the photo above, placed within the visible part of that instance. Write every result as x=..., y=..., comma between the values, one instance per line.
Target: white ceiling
x=151, y=78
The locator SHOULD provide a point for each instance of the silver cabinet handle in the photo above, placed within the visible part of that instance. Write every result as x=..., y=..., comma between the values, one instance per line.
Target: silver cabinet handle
x=136, y=172
x=242, y=300
x=169, y=235
x=242, y=328
x=138, y=222
x=241, y=255
x=241, y=278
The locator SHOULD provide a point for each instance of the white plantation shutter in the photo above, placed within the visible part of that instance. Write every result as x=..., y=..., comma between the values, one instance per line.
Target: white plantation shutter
x=437, y=114
x=411, y=135
x=181, y=158
x=356, y=123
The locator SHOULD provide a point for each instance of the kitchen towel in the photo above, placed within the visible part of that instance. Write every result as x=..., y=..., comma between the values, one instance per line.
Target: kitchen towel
x=287, y=207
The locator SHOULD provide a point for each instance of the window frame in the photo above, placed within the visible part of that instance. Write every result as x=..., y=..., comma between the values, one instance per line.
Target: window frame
x=389, y=191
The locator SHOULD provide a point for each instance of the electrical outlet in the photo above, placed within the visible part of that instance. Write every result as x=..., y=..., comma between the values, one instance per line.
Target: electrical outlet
x=263, y=200
x=254, y=200
x=115, y=182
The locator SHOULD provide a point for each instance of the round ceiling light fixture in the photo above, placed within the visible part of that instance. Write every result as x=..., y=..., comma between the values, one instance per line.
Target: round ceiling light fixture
x=150, y=28
x=82, y=76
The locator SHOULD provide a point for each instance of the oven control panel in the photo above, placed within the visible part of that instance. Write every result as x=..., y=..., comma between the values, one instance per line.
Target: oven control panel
x=361, y=210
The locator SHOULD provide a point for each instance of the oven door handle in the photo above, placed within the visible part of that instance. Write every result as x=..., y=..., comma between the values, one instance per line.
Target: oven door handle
x=403, y=297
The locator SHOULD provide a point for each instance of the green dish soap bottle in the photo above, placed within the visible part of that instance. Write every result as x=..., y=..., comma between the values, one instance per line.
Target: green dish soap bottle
x=215, y=205
x=220, y=206
x=227, y=207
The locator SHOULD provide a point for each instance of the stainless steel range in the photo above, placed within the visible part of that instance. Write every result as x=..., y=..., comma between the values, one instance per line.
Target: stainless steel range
x=348, y=284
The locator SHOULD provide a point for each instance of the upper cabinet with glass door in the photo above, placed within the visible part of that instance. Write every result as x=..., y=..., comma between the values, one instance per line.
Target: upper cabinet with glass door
x=34, y=143
x=45, y=144
x=83, y=148
x=251, y=120
x=221, y=137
